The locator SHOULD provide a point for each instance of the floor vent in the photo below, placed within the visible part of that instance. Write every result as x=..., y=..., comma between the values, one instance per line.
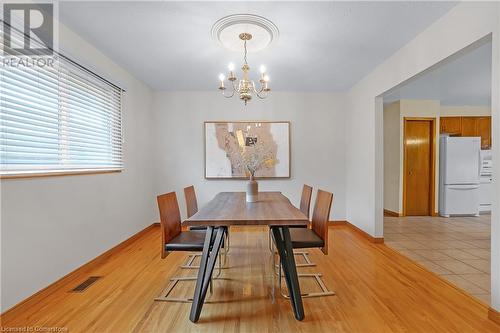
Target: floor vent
x=85, y=284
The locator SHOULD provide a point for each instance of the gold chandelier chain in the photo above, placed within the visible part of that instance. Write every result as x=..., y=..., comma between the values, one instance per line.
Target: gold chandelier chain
x=245, y=47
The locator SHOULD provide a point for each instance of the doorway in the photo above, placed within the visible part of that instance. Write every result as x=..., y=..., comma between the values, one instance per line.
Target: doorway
x=419, y=161
x=457, y=248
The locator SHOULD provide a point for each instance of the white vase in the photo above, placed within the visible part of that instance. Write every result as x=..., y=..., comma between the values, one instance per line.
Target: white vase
x=252, y=190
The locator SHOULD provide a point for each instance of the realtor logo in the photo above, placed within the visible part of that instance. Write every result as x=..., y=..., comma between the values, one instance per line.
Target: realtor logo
x=28, y=29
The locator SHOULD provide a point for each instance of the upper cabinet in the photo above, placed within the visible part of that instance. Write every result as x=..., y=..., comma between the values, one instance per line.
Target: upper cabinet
x=451, y=125
x=484, y=131
x=468, y=126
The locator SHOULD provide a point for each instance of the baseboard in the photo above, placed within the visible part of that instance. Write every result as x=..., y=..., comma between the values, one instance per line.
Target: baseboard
x=378, y=240
x=391, y=213
x=494, y=315
x=77, y=272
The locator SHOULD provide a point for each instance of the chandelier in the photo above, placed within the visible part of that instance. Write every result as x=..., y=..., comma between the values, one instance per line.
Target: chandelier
x=245, y=87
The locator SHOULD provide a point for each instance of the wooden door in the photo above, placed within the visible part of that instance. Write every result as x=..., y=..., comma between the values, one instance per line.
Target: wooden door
x=451, y=125
x=419, y=167
x=484, y=131
x=469, y=126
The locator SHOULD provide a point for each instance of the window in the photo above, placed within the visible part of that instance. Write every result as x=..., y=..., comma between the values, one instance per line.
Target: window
x=58, y=119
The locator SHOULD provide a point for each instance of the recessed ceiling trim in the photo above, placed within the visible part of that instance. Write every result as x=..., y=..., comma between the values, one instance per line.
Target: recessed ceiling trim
x=226, y=31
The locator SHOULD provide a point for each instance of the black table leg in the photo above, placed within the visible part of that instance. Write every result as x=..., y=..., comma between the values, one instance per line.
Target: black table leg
x=284, y=246
x=207, y=264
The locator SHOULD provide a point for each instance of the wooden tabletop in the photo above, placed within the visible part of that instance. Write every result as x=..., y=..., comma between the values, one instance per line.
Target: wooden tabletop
x=231, y=208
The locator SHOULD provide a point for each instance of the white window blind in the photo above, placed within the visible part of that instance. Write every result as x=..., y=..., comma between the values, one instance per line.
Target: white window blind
x=58, y=119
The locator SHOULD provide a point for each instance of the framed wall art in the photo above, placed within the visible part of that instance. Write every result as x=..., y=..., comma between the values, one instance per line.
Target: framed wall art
x=239, y=149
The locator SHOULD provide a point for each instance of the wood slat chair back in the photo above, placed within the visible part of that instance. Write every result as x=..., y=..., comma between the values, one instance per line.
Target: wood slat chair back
x=191, y=202
x=321, y=215
x=305, y=200
x=170, y=218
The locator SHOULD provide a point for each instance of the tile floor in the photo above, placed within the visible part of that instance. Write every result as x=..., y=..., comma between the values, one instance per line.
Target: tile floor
x=456, y=248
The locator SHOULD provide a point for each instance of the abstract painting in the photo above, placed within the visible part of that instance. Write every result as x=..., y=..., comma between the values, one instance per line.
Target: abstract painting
x=236, y=149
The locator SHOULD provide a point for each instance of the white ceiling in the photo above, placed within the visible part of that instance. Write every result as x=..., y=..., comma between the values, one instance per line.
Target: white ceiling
x=464, y=80
x=323, y=46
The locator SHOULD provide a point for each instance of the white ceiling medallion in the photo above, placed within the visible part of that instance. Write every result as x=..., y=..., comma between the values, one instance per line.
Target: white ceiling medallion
x=254, y=33
x=226, y=32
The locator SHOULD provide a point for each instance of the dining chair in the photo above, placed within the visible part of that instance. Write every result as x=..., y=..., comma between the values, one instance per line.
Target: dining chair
x=174, y=239
x=305, y=207
x=191, y=203
x=305, y=200
x=191, y=209
x=316, y=237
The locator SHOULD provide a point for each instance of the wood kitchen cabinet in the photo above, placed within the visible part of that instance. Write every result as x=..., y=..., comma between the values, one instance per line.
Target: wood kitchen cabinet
x=484, y=131
x=451, y=125
x=468, y=126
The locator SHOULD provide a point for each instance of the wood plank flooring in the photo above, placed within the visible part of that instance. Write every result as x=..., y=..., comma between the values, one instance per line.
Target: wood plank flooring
x=378, y=290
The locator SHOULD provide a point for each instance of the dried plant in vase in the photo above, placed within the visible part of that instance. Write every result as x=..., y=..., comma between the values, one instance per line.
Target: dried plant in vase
x=255, y=155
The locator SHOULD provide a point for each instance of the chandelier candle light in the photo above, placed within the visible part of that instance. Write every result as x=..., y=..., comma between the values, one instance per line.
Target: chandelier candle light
x=246, y=87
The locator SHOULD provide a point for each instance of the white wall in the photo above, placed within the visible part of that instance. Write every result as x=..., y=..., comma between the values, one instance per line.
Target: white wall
x=52, y=225
x=463, y=25
x=391, y=157
x=495, y=216
x=317, y=142
x=447, y=111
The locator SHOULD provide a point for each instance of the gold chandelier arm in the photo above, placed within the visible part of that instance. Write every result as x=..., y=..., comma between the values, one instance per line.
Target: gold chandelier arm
x=255, y=90
x=258, y=94
x=234, y=90
x=228, y=96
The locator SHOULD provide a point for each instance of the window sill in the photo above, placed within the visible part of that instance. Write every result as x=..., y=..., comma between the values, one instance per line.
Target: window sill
x=56, y=174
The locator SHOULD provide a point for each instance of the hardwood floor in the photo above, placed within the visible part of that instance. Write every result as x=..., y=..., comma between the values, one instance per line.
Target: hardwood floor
x=378, y=290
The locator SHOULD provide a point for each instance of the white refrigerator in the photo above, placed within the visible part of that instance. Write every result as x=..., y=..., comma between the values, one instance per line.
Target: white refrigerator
x=459, y=175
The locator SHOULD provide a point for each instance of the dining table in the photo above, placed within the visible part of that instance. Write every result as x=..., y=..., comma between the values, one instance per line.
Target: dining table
x=231, y=209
